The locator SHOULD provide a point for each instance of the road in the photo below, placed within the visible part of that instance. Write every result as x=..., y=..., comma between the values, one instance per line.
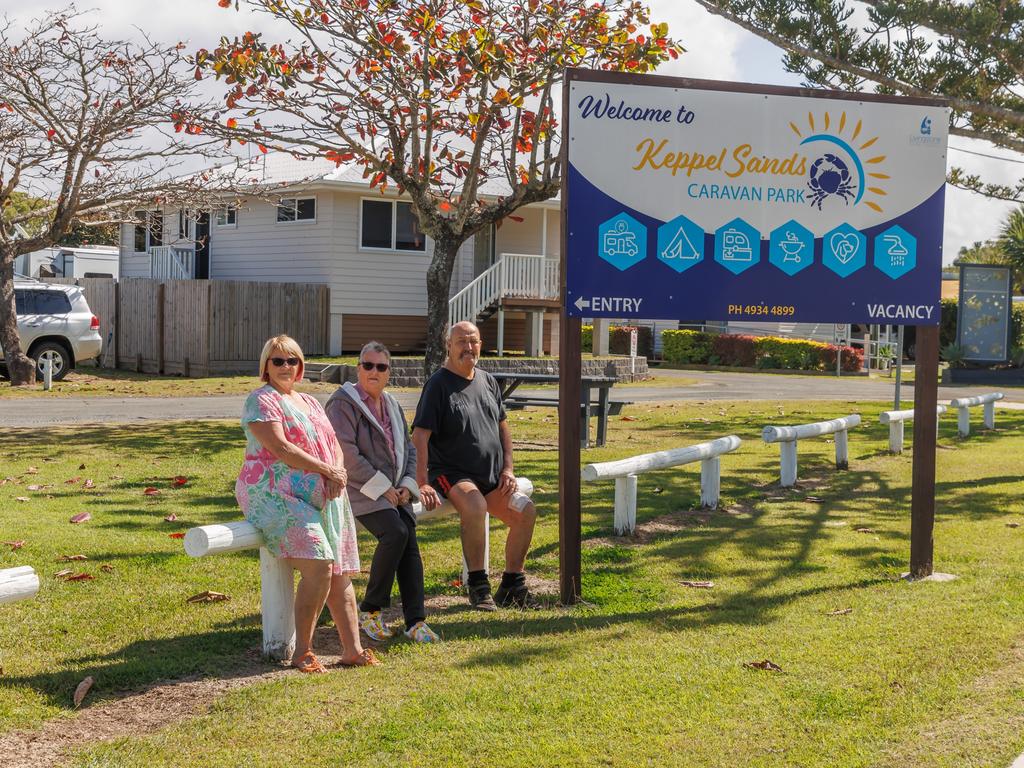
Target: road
x=63, y=411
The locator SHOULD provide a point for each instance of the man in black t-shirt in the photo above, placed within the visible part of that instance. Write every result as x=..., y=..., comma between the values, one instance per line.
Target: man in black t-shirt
x=464, y=453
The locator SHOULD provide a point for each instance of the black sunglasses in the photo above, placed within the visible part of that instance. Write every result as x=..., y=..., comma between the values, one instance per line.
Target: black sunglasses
x=382, y=367
x=279, y=361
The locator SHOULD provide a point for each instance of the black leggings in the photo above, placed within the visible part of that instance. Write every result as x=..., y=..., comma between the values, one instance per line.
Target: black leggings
x=397, y=553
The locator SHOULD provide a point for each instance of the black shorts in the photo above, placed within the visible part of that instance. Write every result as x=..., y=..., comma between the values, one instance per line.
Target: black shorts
x=443, y=483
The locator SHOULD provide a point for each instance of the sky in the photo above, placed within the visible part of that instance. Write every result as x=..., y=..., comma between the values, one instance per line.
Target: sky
x=716, y=50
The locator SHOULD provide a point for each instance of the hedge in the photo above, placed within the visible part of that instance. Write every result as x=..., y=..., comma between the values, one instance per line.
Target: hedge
x=697, y=347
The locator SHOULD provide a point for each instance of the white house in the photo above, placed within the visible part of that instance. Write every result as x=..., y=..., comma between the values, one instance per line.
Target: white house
x=330, y=227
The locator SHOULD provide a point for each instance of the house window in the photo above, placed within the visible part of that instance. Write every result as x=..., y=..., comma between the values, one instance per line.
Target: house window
x=149, y=230
x=184, y=216
x=296, y=209
x=227, y=216
x=390, y=225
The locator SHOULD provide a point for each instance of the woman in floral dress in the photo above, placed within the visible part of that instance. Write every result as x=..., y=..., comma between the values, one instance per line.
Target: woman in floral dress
x=292, y=488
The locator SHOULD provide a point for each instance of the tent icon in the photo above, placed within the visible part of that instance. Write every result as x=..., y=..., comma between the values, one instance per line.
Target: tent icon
x=680, y=248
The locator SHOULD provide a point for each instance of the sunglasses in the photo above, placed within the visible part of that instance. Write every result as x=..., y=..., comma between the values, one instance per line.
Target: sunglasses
x=279, y=361
x=382, y=367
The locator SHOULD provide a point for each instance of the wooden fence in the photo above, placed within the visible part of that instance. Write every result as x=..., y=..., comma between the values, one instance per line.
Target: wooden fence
x=201, y=327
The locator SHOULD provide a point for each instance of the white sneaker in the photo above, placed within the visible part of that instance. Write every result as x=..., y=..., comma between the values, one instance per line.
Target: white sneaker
x=421, y=633
x=374, y=627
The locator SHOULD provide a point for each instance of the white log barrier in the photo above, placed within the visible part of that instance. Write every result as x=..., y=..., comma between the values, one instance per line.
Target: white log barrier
x=18, y=583
x=787, y=438
x=963, y=419
x=896, y=420
x=625, y=473
x=277, y=583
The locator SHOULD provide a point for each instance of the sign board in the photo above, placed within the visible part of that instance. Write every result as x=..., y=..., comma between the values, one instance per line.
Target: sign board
x=983, y=315
x=725, y=201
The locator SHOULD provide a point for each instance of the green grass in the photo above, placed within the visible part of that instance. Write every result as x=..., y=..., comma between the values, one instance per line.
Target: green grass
x=649, y=672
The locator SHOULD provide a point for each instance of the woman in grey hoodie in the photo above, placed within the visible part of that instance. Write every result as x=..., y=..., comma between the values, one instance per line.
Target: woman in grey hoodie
x=381, y=464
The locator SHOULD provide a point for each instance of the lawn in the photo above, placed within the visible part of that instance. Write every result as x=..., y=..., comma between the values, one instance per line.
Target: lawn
x=648, y=672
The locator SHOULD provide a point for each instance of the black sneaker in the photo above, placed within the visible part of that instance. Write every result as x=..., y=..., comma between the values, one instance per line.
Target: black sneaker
x=517, y=596
x=480, y=597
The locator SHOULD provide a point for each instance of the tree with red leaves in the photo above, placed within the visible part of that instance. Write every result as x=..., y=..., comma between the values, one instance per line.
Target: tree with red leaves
x=435, y=98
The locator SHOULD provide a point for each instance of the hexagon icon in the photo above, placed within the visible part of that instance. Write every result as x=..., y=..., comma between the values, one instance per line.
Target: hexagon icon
x=791, y=247
x=844, y=250
x=680, y=244
x=737, y=246
x=895, y=251
x=622, y=241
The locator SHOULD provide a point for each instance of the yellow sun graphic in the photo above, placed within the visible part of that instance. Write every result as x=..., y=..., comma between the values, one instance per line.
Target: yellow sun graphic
x=869, y=168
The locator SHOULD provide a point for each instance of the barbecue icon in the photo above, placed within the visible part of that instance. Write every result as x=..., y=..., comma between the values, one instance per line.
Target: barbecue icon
x=791, y=246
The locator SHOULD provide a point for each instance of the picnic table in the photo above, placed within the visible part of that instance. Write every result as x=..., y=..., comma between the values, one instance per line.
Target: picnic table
x=509, y=382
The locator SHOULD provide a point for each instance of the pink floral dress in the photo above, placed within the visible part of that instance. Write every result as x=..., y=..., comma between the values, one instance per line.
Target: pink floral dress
x=289, y=506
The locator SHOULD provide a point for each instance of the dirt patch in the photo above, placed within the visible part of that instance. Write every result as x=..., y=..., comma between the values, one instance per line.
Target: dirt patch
x=129, y=713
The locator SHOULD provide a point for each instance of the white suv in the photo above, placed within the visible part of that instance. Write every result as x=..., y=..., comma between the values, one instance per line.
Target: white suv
x=55, y=324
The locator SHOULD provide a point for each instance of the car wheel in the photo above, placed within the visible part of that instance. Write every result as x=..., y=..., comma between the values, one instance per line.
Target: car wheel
x=58, y=356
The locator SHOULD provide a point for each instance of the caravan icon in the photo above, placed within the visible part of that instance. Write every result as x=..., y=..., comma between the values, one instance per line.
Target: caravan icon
x=737, y=246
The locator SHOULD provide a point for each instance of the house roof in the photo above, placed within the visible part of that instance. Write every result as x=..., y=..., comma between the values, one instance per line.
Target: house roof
x=286, y=171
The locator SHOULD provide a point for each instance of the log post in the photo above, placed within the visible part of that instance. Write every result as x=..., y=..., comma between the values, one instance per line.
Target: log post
x=787, y=461
x=18, y=583
x=990, y=415
x=277, y=602
x=896, y=433
x=842, y=450
x=710, y=482
x=625, y=505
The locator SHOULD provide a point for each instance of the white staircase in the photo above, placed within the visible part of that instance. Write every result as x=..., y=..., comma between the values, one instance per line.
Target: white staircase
x=171, y=262
x=513, y=275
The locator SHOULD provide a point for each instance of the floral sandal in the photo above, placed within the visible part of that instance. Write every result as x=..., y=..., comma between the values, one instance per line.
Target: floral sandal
x=364, y=659
x=309, y=664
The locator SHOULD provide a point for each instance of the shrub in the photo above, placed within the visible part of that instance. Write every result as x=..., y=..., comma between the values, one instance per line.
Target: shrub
x=686, y=346
x=619, y=342
x=586, y=338
x=852, y=359
x=735, y=349
x=788, y=354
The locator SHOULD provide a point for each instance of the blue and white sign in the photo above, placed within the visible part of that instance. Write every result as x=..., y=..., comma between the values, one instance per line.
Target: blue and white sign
x=717, y=201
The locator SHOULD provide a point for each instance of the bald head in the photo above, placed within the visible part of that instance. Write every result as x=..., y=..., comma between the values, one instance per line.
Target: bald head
x=463, y=348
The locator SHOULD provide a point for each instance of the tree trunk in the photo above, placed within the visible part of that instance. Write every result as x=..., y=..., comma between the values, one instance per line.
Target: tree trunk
x=20, y=368
x=439, y=281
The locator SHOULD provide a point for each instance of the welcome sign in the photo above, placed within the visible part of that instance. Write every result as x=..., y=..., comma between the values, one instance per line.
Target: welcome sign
x=706, y=200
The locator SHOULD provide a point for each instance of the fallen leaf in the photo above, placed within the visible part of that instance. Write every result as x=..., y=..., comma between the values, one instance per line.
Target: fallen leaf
x=176, y=535
x=864, y=530
x=80, y=577
x=72, y=481
x=82, y=690
x=627, y=418
x=1013, y=525
x=34, y=487
x=81, y=517
x=82, y=465
x=178, y=481
x=766, y=665
x=456, y=583
x=62, y=574
x=88, y=484
x=698, y=584
x=31, y=471
x=71, y=558
x=815, y=499
x=14, y=545
x=170, y=518
x=208, y=597
x=107, y=568
x=116, y=477
x=841, y=612
x=658, y=490
x=151, y=491
x=22, y=498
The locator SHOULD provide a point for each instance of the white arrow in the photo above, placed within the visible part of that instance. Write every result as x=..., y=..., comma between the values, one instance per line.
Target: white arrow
x=581, y=303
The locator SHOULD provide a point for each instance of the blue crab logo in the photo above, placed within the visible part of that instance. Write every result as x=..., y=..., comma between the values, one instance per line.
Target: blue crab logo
x=830, y=176
x=849, y=172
